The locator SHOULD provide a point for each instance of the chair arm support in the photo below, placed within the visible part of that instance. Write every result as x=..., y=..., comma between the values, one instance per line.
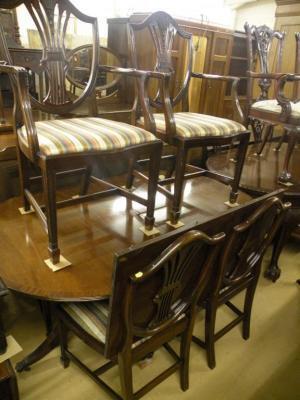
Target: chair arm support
x=20, y=85
x=284, y=101
x=234, y=95
x=143, y=78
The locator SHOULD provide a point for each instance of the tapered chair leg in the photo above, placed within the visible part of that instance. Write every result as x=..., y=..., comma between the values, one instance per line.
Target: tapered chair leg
x=154, y=165
x=257, y=128
x=23, y=177
x=185, y=347
x=181, y=159
x=268, y=134
x=85, y=181
x=49, y=184
x=210, y=322
x=63, y=341
x=125, y=370
x=130, y=175
x=241, y=154
x=248, y=308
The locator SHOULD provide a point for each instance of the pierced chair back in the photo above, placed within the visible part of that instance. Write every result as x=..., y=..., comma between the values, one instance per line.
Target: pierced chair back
x=153, y=299
x=108, y=99
x=247, y=244
x=164, y=30
x=238, y=270
x=52, y=19
x=261, y=39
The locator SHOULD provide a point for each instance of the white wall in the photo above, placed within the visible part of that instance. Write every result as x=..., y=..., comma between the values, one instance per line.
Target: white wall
x=215, y=12
x=260, y=12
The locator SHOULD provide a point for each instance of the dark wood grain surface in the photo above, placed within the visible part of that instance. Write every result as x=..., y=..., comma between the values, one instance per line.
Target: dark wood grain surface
x=90, y=235
x=260, y=173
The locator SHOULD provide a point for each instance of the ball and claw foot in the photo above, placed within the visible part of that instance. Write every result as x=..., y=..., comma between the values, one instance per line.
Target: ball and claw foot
x=272, y=273
x=22, y=366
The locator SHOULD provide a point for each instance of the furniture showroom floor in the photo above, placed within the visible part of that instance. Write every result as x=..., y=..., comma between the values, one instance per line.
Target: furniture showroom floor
x=266, y=367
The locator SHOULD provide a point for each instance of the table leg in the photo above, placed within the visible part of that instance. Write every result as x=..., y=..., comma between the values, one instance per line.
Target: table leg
x=51, y=341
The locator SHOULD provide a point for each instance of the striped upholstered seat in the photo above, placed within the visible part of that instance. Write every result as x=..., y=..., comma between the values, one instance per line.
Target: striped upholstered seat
x=189, y=125
x=273, y=106
x=85, y=134
x=93, y=318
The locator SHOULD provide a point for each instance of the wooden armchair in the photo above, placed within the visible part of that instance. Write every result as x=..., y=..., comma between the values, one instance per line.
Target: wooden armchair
x=150, y=305
x=239, y=269
x=59, y=146
x=265, y=112
x=183, y=130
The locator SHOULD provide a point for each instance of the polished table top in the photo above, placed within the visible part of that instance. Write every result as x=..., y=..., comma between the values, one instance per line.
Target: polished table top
x=89, y=235
x=260, y=173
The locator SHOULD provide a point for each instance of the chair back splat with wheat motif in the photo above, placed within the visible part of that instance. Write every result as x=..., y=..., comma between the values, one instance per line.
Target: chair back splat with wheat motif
x=260, y=40
x=162, y=293
x=247, y=244
x=163, y=30
x=51, y=18
x=297, y=67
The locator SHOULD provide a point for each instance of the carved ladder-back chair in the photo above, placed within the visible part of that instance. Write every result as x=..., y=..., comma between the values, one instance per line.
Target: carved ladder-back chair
x=59, y=146
x=150, y=305
x=184, y=130
x=239, y=269
x=296, y=89
x=265, y=112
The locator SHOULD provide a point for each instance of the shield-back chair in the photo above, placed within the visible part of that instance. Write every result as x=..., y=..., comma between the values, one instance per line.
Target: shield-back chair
x=58, y=146
x=265, y=112
x=184, y=130
x=239, y=269
x=150, y=305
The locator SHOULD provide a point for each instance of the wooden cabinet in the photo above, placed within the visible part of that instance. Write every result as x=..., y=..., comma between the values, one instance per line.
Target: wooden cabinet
x=288, y=20
x=237, y=67
x=213, y=47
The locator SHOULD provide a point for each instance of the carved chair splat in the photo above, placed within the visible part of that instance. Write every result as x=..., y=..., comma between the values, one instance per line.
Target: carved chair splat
x=239, y=270
x=158, y=303
x=183, y=130
x=60, y=146
x=265, y=112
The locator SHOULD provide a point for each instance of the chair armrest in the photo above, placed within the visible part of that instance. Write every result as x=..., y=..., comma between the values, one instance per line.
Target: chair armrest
x=20, y=86
x=258, y=75
x=234, y=95
x=284, y=101
x=143, y=78
x=136, y=73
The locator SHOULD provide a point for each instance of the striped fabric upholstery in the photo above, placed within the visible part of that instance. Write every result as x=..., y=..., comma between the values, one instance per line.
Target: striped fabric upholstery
x=85, y=134
x=273, y=106
x=91, y=316
x=189, y=125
